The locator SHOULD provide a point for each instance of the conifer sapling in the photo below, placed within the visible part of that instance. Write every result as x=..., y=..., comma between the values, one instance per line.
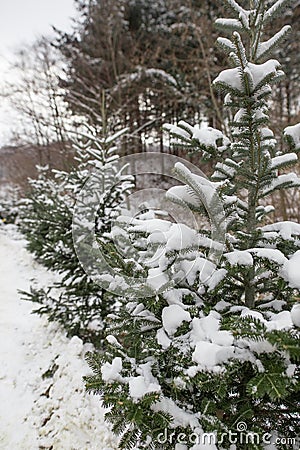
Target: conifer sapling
x=213, y=343
x=75, y=301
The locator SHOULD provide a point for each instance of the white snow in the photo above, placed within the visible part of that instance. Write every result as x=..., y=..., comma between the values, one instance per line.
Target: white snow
x=43, y=399
x=231, y=77
x=272, y=10
x=255, y=314
x=147, y=226
x=205, y=189
x=207, y=328
x=144, y=383
x=241, y=11
x=212, y=346
x=216, y=278
x=223, y=167
x=285, y=229
x=278, y=321
x=179, y=131
x=183, y=194
x=291, y=370
x=209, y=355
x=180, y=237
x=295, y=315
x=139, y=387
x=294, y=132
x=226, y=43
x=180, y=416
x=264, y=47
x=173, y=316
x=290, y=179
x=257, y=72
x=199, y=266
x=267, y=133
x=273, y=255
x=240, y=115
x=291, y=270
x=260, y=71
x=221, y=305
x=111, y=372
x=207, y=136
x=162, y=338
x=241, y=257
x=156, y=278
x=268, y=137
x=279, y=161
x=232, y=23
x=112, y=340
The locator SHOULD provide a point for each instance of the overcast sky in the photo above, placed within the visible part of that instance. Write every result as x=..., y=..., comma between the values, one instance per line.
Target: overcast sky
x=22, y=21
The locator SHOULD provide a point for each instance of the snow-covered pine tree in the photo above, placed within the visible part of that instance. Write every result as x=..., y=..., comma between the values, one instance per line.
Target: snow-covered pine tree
x=212, y=344
x=75, y=301
x=37, y=218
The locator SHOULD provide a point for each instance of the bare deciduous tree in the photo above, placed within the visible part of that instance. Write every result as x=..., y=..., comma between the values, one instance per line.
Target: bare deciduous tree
x=36, y=97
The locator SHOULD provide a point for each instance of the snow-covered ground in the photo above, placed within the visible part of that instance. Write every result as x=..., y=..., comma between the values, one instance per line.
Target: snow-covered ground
x=43, y=403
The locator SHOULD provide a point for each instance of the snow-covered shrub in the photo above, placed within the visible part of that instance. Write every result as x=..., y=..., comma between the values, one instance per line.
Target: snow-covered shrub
x=207, y=340
x=76, y=300
x=9, y=204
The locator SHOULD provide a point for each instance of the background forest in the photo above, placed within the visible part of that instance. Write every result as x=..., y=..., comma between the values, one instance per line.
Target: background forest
x=185, y=307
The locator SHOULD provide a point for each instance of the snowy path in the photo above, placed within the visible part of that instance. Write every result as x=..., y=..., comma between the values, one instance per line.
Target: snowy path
x=42, y=400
